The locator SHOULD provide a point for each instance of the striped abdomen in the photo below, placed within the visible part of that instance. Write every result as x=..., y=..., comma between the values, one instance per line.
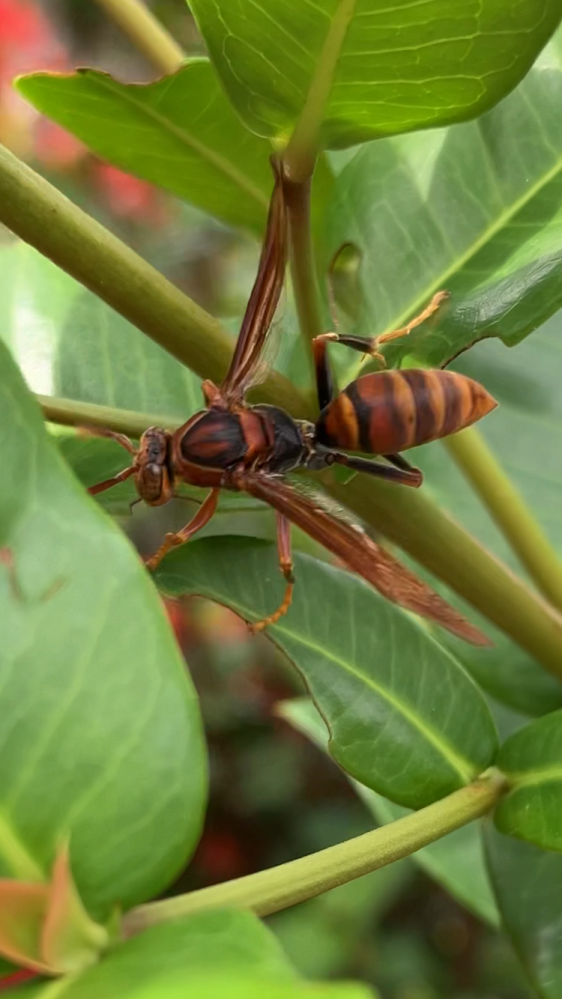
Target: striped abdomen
x=390, y=411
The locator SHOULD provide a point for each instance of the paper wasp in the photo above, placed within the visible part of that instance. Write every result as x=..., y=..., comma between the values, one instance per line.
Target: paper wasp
x=233, y=445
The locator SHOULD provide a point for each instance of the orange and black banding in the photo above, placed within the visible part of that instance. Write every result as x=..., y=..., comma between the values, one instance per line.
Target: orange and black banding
x=391, y=411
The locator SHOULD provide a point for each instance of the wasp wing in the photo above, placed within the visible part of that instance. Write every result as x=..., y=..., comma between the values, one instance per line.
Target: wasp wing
x=359, y=553
x=263, y=299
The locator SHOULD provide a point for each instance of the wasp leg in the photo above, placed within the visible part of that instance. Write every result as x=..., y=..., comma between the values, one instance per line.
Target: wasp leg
x=202, y=517
x=100, y=487
x=121, y=439
x=363, y=346
x=400, y=462
x=432, y=307
x=404, y=473
x=286, y=566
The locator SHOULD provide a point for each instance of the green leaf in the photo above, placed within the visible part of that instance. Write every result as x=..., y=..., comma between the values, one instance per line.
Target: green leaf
x=240, y=987
x=528, y=886
x=456, y=861
x=473, y=210
x=218, y=953
x=70, y=343
x=179, y=133
x=353, y=70
x=523, y=433
x=403, y=717
x=532, y=760
x=218, y=942
x=100, y=731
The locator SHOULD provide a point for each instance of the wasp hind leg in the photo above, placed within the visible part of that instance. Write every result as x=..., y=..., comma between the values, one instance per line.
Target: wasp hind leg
x=403, y=472
x=201, y=518
x=286, y=566
x=363, y=346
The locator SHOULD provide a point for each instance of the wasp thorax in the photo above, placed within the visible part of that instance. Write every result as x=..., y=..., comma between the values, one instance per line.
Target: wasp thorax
x=152, y=475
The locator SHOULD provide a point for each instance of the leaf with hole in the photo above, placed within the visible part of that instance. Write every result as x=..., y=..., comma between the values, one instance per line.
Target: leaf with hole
x=100, y=732
x=472, y=210
x=404, y=717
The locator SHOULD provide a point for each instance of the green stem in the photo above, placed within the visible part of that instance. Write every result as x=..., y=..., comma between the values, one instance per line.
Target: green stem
x=416, y=524
x=146, y=33
x=286, y=885
x=510, y=512
x=303, y=272
x=43, y=217
x=70, y=413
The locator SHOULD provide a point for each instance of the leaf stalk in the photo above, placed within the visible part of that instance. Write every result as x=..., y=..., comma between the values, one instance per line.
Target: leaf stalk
x=294, y=882
x=146, y=33
x=510, y=512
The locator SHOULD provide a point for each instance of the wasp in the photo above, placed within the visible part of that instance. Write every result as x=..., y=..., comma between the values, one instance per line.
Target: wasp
x=251, y=448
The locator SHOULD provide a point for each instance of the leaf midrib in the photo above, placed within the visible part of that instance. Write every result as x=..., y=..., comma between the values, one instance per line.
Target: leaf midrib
x=464, y=768
x=223, y=165
x=533, y=778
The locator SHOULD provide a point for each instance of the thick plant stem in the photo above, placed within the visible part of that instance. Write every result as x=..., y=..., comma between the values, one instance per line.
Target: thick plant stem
x=43, y=217
x=510, y=512
x=303, y=272
x=70, y=413
x=146, y=33
x=426, y=532
x=416, y=524
x=286, y=885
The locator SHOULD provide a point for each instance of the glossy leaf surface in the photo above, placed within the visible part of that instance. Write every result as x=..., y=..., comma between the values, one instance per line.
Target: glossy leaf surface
x=97, y=713
x=179, y=133
x=403, y=717
x=360, y=69
x=532, y=762
x=528, y=886
x=472, y=210
x=456, y=861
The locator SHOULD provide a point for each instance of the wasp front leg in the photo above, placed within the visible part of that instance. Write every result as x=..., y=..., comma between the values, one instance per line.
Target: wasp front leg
x=201, y=518
x=286, y=566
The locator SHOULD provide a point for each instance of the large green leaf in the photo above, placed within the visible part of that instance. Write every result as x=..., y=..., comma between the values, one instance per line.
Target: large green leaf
x=359, y=69
x=403, y=717
x=525, y=432
x=528, y=886
x=456, y=861
x=474, y=210
x=180, y=133
x=532, y=760
x=100, y=736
